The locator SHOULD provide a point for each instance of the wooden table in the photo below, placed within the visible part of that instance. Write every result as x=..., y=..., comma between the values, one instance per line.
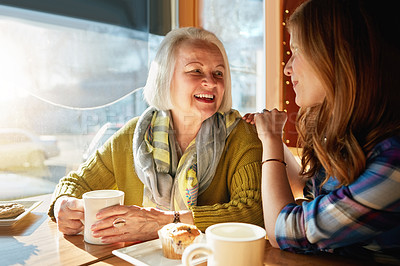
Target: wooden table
x=35, y=240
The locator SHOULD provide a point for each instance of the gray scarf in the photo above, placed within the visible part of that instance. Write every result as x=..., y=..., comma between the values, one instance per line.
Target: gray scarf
x=171, y=184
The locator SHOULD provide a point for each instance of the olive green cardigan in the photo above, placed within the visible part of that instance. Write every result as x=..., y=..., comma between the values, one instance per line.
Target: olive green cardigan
x=234, y=194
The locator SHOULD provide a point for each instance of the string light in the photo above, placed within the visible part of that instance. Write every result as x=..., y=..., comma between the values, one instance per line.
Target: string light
x=287, y=82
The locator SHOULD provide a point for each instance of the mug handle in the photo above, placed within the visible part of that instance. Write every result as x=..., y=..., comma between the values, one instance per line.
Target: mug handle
x=193, y=250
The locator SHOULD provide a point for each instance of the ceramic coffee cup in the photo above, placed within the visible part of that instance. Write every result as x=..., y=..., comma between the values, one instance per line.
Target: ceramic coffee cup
x=93, y=202
x=234, y=244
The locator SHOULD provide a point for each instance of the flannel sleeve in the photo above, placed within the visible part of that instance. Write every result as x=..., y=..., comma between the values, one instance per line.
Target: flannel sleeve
x=350, y=214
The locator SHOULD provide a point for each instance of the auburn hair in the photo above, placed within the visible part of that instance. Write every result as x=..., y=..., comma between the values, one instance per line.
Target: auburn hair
x=352, y=46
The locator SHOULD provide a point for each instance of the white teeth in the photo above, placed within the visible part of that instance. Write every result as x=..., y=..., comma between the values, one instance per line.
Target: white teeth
x=208, y=96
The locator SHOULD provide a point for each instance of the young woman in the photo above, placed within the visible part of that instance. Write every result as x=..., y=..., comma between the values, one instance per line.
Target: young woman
x=343, y=67
x=188, y=154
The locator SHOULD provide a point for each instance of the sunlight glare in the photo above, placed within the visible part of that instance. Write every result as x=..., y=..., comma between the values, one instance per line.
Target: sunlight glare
x=14, y=69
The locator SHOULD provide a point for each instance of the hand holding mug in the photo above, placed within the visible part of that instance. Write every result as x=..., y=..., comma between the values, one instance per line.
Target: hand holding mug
x=94, y=201
x=69, y=214
x=131, y=223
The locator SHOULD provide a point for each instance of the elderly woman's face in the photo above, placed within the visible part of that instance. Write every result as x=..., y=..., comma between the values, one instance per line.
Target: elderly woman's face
x=198, y=80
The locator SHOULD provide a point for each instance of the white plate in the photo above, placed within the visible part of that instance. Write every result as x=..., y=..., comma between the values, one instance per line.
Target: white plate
x=29, y=206
x=149, y=254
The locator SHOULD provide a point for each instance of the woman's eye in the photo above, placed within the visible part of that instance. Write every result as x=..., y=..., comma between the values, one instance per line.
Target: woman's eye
x=196, y=71
x=218, y=74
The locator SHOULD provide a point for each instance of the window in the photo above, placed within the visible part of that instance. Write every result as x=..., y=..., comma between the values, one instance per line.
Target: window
x=240, y=26
x=69, y=73
x=63, y=78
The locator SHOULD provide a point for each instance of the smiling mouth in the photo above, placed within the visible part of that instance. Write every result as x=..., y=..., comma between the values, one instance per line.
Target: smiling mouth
x=205, y=97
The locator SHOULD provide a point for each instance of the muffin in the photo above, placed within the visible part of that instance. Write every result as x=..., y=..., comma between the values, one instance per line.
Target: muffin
x=175, y=237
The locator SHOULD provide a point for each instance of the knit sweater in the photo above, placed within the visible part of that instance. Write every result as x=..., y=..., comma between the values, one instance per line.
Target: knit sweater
x=234, y=194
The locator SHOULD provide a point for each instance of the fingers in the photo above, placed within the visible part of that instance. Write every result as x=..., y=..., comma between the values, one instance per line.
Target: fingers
x=107, y=216
x=101, y=230
x=116, y=210
x=105, y=230
x=69, y=213
x=140, y=224
x=269, y=123
x=73, y=209
x=73, y=227
x=249, y=118
x=75, y=204
x=104, y=223
x=127, y=237
x=273, y=115
x=132, y=231
x=115, y=238
x=69, y=226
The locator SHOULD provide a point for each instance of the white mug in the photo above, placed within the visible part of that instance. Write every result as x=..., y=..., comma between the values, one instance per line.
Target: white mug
x=93, y=202
x=233, y=244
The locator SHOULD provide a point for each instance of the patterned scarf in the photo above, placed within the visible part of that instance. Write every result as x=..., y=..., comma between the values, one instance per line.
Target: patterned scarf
x=171, y=184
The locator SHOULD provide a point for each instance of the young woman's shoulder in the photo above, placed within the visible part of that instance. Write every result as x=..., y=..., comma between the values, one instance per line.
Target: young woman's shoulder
x=388, y=148
x=392, y=142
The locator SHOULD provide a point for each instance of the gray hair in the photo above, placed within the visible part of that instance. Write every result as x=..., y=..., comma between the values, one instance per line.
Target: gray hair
x=157, y=89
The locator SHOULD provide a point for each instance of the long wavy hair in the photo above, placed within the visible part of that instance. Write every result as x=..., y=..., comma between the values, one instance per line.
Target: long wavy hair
x=352, y=45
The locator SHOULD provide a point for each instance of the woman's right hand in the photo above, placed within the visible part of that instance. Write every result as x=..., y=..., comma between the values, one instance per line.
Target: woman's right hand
x=269, y=123
x=69, y=214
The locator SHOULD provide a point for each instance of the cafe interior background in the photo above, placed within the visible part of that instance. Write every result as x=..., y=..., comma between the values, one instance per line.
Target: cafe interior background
x=71, y=74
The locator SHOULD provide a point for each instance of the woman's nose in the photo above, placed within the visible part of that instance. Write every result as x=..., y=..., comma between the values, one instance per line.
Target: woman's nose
x=288, y=68
x=209, y=81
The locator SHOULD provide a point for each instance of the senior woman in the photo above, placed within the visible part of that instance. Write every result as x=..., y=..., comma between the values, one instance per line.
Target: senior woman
x=188, y=156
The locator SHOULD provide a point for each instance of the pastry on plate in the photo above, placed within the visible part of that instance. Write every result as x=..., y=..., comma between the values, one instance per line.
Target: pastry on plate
x=175, y=237
x=10, y=210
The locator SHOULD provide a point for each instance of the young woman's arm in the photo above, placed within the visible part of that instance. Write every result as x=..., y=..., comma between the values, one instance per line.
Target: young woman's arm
x=293, y=169
x=275, y=185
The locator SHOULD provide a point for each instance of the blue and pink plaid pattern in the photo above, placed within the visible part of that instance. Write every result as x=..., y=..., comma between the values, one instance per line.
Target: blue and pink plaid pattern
x=365, y=214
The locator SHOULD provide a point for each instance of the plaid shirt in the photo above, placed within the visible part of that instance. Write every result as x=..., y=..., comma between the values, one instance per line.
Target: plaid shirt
x=362, y=217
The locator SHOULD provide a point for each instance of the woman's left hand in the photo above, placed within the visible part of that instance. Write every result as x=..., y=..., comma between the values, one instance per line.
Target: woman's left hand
x=140, y=224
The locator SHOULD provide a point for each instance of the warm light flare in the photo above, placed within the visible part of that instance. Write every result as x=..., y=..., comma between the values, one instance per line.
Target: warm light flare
x=14, y=68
